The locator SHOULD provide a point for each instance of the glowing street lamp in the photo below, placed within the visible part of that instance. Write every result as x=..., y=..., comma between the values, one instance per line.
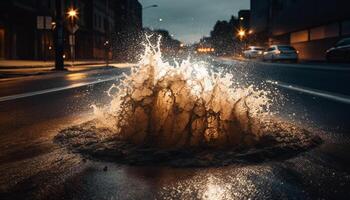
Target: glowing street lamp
x=72, y=13
x=241, y=33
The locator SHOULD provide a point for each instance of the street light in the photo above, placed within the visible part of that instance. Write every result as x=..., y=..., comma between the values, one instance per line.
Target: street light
x=59, y=62
x=72, y=13
x=151, y=6
x=241, y=33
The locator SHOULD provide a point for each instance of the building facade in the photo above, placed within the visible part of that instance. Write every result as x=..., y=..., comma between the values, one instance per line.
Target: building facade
x=244, y=19
x=128, y=29
x=310, y=26
x=20, y=35
x=104, y=28
x=96, y=25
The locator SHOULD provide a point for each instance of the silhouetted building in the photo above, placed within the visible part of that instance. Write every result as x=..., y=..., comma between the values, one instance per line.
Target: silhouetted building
x=244, y=19
x=128, y=29
x=102, y=27
x=311, y=26
x=96, y=24
x=22, y=34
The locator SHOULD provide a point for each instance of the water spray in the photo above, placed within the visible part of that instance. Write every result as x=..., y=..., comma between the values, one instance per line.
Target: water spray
x=185, y=107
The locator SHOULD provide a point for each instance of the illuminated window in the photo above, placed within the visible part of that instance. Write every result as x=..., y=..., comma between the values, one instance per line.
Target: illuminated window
x=322, y=32
x=300, y=36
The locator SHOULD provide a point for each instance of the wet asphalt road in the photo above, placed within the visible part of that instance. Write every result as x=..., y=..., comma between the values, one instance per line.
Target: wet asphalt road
x=33, y=167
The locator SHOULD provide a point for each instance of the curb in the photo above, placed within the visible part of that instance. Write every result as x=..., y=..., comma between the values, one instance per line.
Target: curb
x=46, y=66
x=19, y=76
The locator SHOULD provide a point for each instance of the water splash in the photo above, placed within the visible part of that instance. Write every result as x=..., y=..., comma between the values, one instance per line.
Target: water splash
x=185, y=105
x=182, y=106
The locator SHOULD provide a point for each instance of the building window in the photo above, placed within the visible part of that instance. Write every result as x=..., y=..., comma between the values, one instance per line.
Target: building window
x=49, y=4
x=95, y=20
x=317, y=33
x=81, y=13
x=345, y=30
x=102, y=23
x=300, y=36
x=326, y=31
x=96, y=41
x=2, y=43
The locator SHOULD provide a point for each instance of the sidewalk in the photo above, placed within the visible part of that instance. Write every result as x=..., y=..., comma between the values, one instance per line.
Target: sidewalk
x=10, y=64
x=20, y=68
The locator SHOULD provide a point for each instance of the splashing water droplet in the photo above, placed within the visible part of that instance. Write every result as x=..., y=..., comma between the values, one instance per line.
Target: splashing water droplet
x=185, y=106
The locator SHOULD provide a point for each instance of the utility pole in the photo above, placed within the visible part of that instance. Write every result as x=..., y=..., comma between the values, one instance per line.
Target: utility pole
x=108, y=35
x=59, y=63
x=73, y=27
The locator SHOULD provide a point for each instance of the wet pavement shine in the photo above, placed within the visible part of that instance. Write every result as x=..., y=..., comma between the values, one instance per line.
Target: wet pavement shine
x=32, y=166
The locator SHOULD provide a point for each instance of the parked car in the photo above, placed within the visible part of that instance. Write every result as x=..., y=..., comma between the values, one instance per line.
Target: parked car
x=339, y=52
x=253, y=52
x=281, y=52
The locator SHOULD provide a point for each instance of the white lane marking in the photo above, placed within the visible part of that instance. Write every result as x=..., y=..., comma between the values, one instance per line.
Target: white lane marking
x=315, y=92
x=76, y=85
x=331, y=67
x=305, y=66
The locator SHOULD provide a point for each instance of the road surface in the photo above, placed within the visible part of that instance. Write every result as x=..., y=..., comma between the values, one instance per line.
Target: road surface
x=34, y=109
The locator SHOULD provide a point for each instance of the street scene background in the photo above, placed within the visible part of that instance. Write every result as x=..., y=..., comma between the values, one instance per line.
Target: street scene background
x=60, y=60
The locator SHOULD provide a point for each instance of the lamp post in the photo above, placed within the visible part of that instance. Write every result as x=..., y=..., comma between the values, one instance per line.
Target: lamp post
x=107, y=49
x=241, y=33
x=59, y=63
x=151, y=6
x=72, y=15
x=59, y=37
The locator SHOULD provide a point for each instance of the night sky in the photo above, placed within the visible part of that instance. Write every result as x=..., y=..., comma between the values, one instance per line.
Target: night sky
x=189, y=20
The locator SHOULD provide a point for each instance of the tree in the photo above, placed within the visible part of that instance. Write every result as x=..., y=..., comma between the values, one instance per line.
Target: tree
x=223, y=36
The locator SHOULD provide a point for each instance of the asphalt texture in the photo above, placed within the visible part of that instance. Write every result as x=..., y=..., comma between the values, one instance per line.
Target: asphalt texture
x=34, y=109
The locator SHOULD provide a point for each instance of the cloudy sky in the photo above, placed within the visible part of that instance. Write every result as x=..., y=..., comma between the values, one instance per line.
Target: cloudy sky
x=189, y=20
